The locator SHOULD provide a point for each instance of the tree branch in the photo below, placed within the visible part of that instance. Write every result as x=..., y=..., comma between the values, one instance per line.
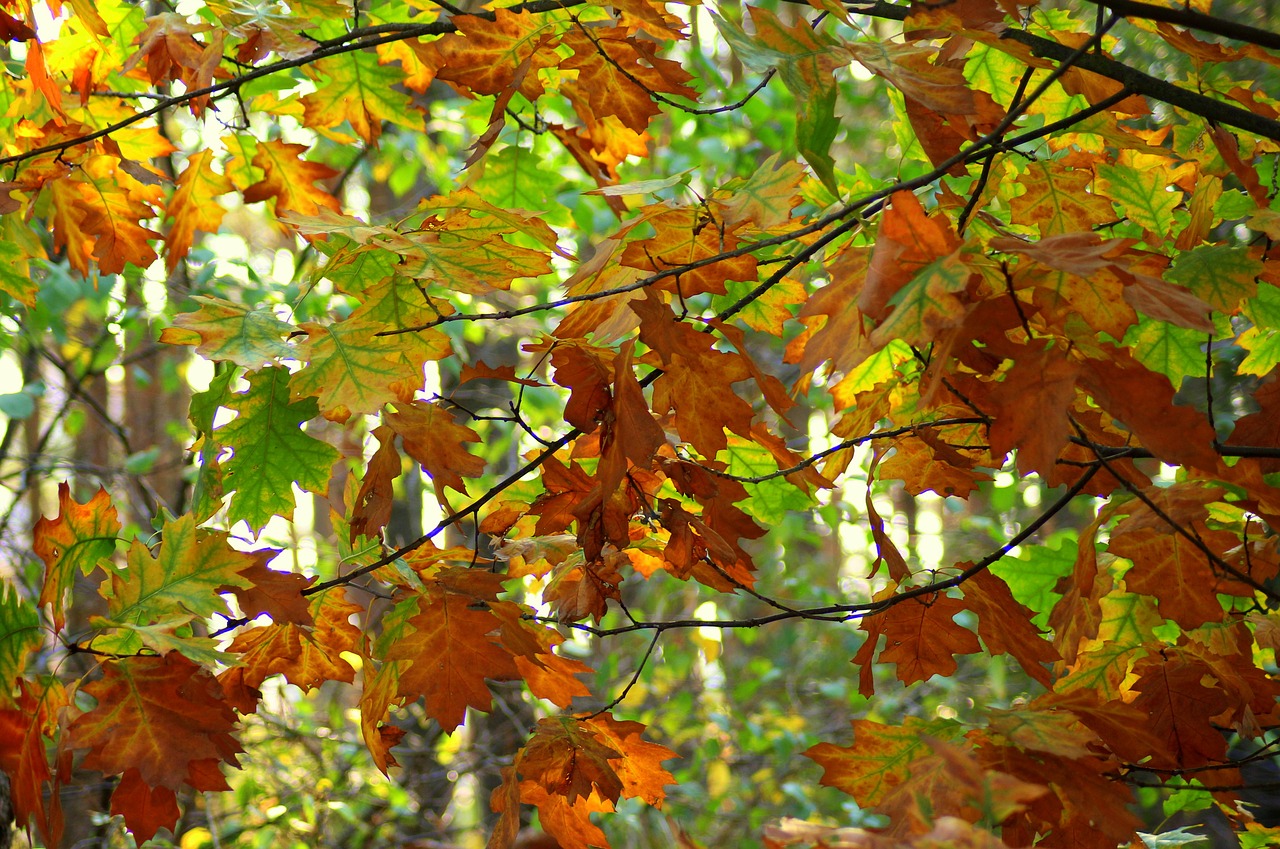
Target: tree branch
x=860, y=609
x=1192, y=19
x=356, y=39
x=1212, y=110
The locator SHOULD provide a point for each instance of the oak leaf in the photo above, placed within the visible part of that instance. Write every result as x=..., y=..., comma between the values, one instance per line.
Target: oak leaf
x=1057, y=199
x=1038, y=431
x=1181, y=698
x=290, y=179
x=922, y=639
x=19, y=636
x=82, y=538
x=629, y=433
x=684, y=236
x=351, y=370
x=1005, y=625
x=1176, y=572
x=194, y=206
x=481, y=57
x=270, y=591
x=915, y=71
x=229, y=331
x=271, y=451
x=306, y=655
x=187, y=572
x=357, y=88
x=162, y=716
x=881, y=757
x=623, y=73
x=34, y=786
x=435, y=440
x=567, y=758
x=454, y=645
x=372, y=508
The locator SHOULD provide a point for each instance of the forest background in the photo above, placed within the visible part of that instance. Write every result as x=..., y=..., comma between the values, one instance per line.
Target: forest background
x=759, y=425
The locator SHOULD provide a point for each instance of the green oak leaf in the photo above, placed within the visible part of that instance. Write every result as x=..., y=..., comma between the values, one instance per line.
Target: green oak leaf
x=228, y=331
x=351, y=370
x=1220, y=275
x=271, y=452
x=19, y=636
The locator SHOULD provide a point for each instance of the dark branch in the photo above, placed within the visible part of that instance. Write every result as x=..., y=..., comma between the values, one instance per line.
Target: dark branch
x=1192, y=19
x=1212, y=110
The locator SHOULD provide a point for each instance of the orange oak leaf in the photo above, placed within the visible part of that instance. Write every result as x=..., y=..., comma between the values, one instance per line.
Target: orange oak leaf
x=579, y=590
x=97, y=215
x=290, y=179
x=1084, y=808
x=454, y=647
x=880, y=759
x=629, y=433
x=435, y=440
x=505, y=802
x=788, y=459
x=379, y=734
x=164, y=717
x=194, y=206
x=563, y=489
x=937, y=87
x=951, y=782
x=640, y=770
x=1165, y=301
x=34, y=786
x=305, y=655
x=82, y=538
x=372, y=508
x=573, y=767
x=618, y=73
x=1180, y=696
x=567, y=757
x=585, y=370
x=651, y=16
x=922, y=638
x=696, y=380
x=145, y=809
x=1038, y=728
x=482, y=371
x=1039, y=430
x=683, y=236
x=553, y=677
x=1119, y=725
x=1062, y=294
x=886, y=550
x=1128, y=392
x=1176, y=572
x=907, y=240
x=275, y=593
x=864, y=658
x=172, y=52
x=924, y=462
x=1228, y=652
x=569, y=823
x=482, y=56
x=1005, y=625
x=841, y=336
